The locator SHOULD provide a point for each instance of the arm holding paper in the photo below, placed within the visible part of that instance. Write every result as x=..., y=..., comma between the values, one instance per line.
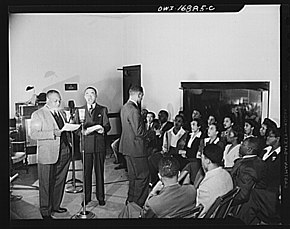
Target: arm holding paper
x=97, y=128
x=70, y=127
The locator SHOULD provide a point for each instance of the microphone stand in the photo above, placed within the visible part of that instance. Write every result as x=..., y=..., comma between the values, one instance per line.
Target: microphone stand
x=84, y=214
x=74, y=188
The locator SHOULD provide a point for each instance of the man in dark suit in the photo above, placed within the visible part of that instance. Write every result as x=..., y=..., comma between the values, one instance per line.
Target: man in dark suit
x=53, y=153
x=96, y=125
x=249, y=173
x=268, y=200
x=132, y=147
x=165, y=125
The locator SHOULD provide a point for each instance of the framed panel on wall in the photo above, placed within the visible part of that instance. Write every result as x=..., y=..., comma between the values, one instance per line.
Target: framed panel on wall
x=242, y=99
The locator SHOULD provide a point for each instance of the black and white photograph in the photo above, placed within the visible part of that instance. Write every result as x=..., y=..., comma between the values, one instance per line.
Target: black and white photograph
x=138, y=113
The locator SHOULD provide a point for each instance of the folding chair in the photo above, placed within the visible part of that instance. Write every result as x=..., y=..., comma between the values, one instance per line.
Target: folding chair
x=189, y=214
x=220, y=208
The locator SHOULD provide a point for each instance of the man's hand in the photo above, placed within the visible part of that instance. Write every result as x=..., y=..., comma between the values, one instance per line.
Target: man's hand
x=101, y=130
x=57, y=133
x=157, y=188
x=182, y=153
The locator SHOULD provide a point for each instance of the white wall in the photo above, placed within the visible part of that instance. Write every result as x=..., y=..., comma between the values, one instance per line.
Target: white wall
x=80, y=49
x=171, y=48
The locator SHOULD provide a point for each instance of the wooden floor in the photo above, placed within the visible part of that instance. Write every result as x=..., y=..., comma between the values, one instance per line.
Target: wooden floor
x=26, y=185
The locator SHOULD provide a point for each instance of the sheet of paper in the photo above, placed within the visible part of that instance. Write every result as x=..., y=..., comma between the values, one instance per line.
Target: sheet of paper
x=70, y=127
x=93, y=128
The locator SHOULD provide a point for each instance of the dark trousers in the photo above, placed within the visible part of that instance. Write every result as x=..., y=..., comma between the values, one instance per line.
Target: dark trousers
x=153, y=161
x=97, y=160
x=52, y=179
x=138, y=174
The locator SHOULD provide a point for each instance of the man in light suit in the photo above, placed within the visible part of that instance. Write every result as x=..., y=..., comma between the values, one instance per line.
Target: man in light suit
x=217, y=181
x=132, y=147
x=95, y=147
x=53, y=153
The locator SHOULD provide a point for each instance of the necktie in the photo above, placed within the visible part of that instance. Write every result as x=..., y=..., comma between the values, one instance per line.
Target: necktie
x=91, y=110
x=58, y=120
x=274, y=155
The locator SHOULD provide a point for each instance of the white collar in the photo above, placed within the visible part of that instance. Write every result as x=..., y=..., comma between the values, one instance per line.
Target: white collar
x=163, y=125
x=213, y=171
x=249, y=156
x=89, y=106
x=206, y=140
x=195, y=135
x=180, y=132
x=52, y=110
x=269, y=153
x=134, y=102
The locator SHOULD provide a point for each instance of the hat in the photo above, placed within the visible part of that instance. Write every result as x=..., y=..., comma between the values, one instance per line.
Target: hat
x=214, y=153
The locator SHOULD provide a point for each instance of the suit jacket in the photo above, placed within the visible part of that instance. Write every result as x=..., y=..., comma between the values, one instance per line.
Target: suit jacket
x=248, y=173
x=273, y=163
x=192, y=150
x=168, y=125
x=133, y=131
x=170, y=201
x=206, y=141
x=95, y=142
x=263, y=201
x=42, y=127
x=216, y=182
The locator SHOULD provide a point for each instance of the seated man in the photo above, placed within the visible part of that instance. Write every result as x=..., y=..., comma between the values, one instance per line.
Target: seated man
x=173, y=141
x=168, y=197
x=217, y=181
x=249, y=173
x=263, y=204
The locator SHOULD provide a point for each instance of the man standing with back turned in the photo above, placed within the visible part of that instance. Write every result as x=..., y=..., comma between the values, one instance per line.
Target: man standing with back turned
x=132, y=147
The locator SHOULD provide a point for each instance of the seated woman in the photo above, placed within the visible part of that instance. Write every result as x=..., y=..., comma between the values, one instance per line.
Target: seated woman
x=264, y=132
x=231, y=152
x=173, y=140
x=213, y=132
x=250, y=128
x=192, y=144
x=210, y=120
x=228, y=123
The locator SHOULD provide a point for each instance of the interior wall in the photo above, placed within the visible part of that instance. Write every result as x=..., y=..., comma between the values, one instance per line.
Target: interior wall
x=241, y=46
x=48, y=51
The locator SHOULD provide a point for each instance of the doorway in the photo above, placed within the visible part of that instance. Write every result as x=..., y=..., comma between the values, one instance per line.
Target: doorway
x=131, y=76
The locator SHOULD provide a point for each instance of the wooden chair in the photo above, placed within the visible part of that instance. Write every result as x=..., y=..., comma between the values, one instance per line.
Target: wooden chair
x=19, y=155
x=220, y=208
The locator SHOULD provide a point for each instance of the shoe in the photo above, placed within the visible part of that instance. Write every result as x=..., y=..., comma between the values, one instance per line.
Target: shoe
x=102, y=202
x=120, y=167
x=15, y=197
x=82, y=203
x=47, y=217
x=60, y=210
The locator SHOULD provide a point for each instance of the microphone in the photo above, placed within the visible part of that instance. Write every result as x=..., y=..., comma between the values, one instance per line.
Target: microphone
x=82, y=114
x=71, y=106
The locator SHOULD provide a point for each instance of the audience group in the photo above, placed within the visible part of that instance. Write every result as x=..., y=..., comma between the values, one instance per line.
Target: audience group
x=193, y=162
